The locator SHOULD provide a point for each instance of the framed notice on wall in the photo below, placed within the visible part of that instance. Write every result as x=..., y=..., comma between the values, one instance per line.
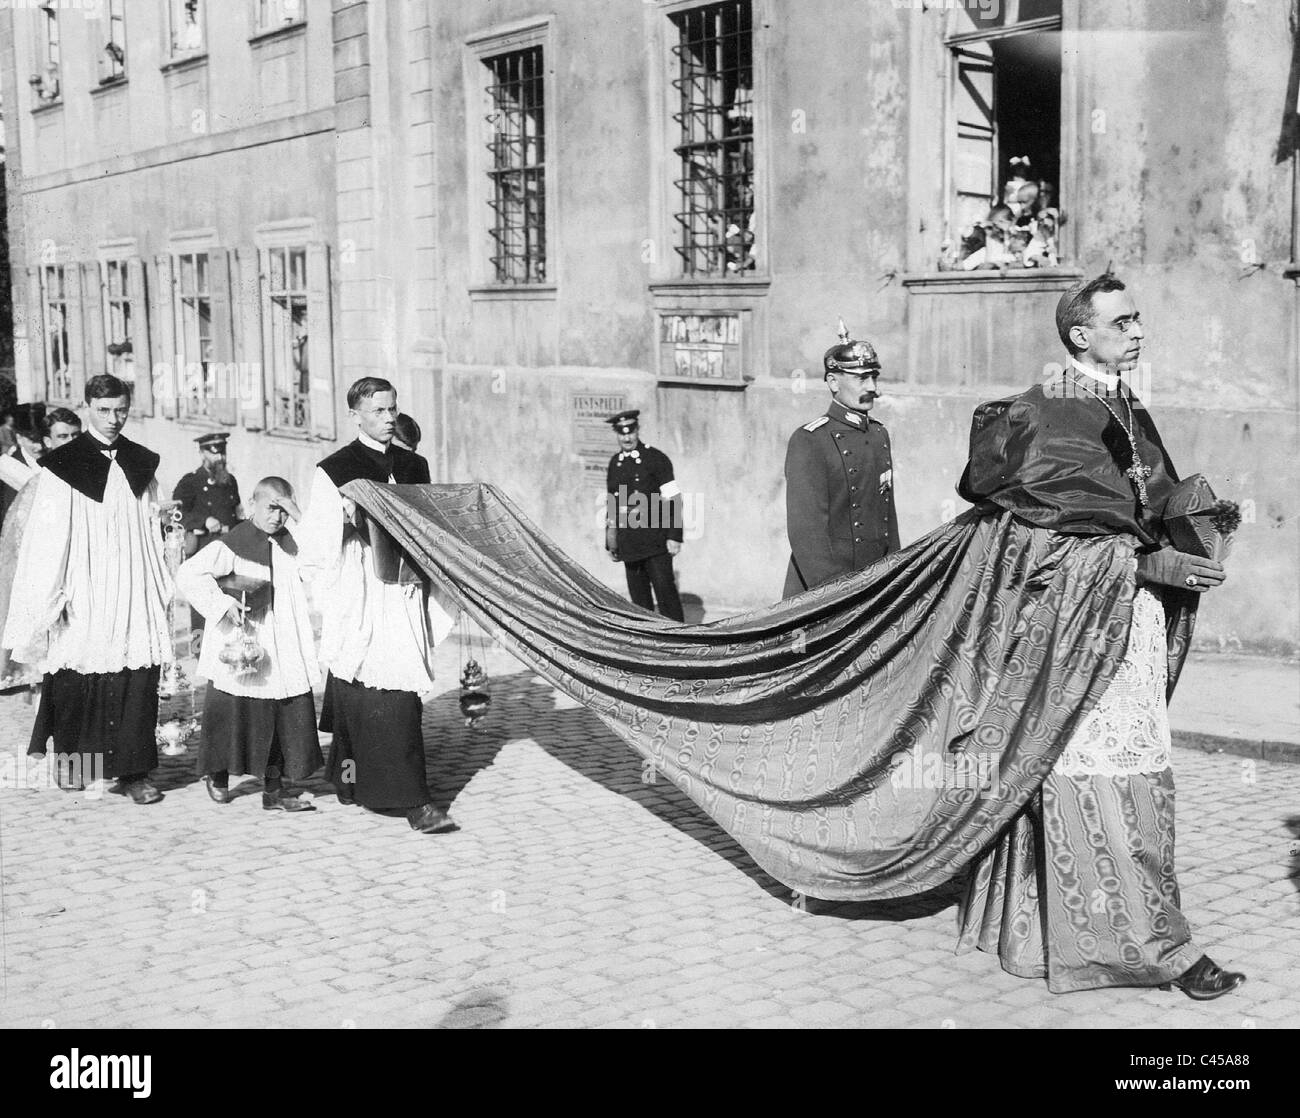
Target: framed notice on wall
x=703, y=347
x=593, y=437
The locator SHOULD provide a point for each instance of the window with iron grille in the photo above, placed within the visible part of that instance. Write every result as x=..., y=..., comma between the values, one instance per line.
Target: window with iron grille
x=112, y=51
x=517, y=166
x=58, y=372
x=118, y=324
x=194, y=333
x=284, y=271
x=715, y=117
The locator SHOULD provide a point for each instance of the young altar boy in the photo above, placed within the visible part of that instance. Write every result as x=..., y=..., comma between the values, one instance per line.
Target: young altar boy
x=259, y=716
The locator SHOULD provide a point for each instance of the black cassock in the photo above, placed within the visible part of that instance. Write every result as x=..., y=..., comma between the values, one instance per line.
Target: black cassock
x=377, y=755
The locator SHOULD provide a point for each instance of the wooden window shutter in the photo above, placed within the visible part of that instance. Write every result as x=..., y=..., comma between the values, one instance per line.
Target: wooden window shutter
x=252, y=345
x=137, y=288
x=92, y=289
x=975, y=151
x=37, y=358
x=72, y=289
x=224, y=405
x=320, y=342
x=166, y=379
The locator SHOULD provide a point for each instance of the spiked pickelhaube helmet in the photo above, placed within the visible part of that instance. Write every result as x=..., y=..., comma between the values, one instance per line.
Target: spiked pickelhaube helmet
x=850, y=356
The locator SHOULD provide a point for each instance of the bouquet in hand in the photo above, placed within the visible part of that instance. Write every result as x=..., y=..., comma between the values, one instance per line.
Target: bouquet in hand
x=1198, y=522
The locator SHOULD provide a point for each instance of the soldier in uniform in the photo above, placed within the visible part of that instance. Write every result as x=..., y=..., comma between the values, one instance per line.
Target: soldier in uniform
x=209, y=500
x=839, y=477
x=643, y=528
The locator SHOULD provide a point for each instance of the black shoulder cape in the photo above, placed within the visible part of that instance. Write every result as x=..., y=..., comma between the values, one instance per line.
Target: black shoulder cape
x=358, y=461
x=83, y=464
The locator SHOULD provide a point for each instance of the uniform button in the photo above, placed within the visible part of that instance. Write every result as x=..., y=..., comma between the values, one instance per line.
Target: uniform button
x=855, y=505
x=857, y=539
x=857, y=524
x=845, y=453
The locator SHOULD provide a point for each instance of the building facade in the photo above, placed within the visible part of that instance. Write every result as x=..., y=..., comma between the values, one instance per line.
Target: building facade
x=530, y=216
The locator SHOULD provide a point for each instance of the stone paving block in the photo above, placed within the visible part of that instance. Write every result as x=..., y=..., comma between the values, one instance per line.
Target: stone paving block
x=641, y=910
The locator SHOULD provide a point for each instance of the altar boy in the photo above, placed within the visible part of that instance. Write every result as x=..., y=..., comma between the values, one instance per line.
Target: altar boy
x=259, y=716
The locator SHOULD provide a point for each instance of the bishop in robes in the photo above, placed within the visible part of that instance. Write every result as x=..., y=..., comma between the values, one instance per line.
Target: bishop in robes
x=378, y=633
x=1081, y=888
x=92, y=581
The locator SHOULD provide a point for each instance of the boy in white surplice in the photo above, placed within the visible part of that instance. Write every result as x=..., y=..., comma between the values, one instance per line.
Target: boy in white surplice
x=259, y=716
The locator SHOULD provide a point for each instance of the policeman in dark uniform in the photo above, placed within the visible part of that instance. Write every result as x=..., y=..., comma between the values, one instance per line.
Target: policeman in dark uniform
x=839, y=477
x=209, y=500
x=643, y=527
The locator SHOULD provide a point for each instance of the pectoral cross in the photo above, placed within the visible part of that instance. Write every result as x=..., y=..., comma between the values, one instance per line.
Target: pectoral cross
x=1138, y=474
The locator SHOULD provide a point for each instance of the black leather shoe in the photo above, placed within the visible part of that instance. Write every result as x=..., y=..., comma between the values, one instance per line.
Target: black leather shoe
x=1205, y=980
x=347, y=798
x=140, y=791
x=429, y=820
x=277, y=801
x=219, y=795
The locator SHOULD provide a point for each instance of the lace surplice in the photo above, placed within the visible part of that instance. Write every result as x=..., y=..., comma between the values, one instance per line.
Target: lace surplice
x=1128, y=730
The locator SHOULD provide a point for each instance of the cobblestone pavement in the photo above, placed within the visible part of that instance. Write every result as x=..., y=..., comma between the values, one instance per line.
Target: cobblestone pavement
x=575, y=894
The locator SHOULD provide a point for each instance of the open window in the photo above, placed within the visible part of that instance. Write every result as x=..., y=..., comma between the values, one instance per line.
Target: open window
x=121, y=340
x=111, y=54
x=198, y=334
x=271, y=15
x=59, y=313
x=45, y=80
x=1003, y=189
x=186, y=35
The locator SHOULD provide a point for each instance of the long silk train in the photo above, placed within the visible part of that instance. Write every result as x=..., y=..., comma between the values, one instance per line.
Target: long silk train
x=866, y=739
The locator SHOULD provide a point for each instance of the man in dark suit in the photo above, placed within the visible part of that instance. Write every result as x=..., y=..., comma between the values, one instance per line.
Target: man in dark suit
x=210, y=507
x=643, y=529
x=839, y=477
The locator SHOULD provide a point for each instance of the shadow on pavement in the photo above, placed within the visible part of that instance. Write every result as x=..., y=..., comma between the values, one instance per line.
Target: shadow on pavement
x=479, y=1009
x=522, y=706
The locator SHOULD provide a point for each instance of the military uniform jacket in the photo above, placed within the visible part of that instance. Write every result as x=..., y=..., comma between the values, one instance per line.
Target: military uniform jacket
x=645, y=502
x=200, y=497
x=839, y=498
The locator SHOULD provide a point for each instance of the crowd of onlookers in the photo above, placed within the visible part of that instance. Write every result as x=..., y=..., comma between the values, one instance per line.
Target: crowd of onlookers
x=1021, y=229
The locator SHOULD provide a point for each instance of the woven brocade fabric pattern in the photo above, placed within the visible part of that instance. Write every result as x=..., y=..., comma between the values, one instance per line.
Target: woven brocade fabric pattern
x=833, y=735
x=1128, y=731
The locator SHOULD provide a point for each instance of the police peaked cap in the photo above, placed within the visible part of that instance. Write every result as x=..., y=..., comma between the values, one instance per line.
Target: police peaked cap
x=624, y=421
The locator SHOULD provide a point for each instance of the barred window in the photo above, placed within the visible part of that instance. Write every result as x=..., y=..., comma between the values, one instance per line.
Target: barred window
x=285, y=321
x=112, y=50
x=193, y=309
x=118, y=321
x=715, y=83
x=517, y=166
x=58, y=370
